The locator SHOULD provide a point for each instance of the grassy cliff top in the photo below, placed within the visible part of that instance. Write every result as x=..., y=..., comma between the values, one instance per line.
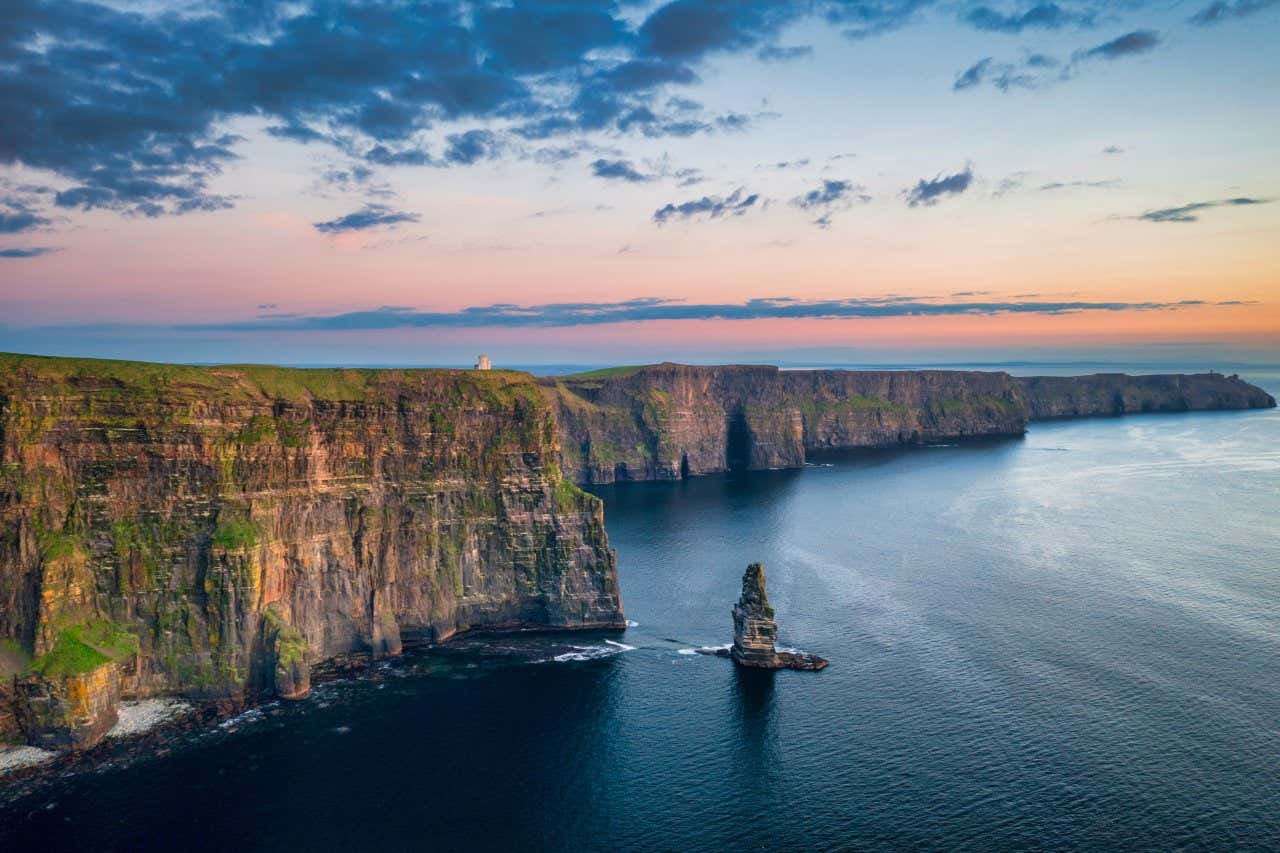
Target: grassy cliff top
x=247, y=382
x=604, y=372
x=84, y=648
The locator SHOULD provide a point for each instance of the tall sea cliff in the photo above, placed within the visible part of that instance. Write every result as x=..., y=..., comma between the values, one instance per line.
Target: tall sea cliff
x=667, y=421
x=671, y=420
x=213, y=532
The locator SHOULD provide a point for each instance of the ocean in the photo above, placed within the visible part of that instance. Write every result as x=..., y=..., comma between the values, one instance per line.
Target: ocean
x=1066, y=641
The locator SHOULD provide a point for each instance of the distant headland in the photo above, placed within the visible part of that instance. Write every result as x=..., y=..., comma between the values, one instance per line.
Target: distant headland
x=668, y=421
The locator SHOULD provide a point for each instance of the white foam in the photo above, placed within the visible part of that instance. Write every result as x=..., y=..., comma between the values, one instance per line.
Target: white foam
x=247, y=717
x=584, y=653
x=631, y=624
x=702, y=650
x=138, y=717
x=16, y=757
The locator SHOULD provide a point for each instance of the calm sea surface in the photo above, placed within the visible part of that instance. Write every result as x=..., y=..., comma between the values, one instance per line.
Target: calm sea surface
x=1070, y=641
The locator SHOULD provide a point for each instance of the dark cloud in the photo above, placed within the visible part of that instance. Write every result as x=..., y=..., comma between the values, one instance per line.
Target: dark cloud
x=370, y=216
x=774, y=53
x=688, y=177
x=830, y=197
x=689, y=29
x=126, y=105
x=927, y=193
x=297, y=133
x=653, y=308
x=638, y=75
x=1109, y=183
x=1129, y=44
x=973, y=75
x=1037, y=70
x=536, y=37
x=866, y=18
x=472, y=147
x=1219, y=11
x=621, y=170
x=20, y=220
x=783, y=165
x=1190, y=212
x=1045, y=16
x=1005, y=76
x=708, y=207
x=34, y=252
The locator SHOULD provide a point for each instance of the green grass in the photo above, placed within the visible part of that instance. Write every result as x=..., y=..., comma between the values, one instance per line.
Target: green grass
x=291, y=646
x=606, y=372
x=84, y=648
x=56, y=545
x=235, y=534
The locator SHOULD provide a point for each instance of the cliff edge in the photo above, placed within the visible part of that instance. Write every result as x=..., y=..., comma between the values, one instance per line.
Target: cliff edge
x=212, y=532
x=668, y=421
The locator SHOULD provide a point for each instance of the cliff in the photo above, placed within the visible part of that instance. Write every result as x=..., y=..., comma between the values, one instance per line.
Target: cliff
x=213, y=532
x=1117, y=394
x=669, y=420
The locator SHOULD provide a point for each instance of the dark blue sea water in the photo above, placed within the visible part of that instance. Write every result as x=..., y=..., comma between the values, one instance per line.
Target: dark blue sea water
x=1070, y=641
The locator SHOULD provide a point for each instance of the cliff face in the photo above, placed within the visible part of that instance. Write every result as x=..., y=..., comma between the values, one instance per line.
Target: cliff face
x=1118, y=394
x=669, y=420
x=214, y=531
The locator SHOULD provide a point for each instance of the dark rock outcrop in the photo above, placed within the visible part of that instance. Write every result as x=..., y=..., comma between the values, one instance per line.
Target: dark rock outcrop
x=755, y=633
x=228, y=527
x=1104, y=394
x=71, y=711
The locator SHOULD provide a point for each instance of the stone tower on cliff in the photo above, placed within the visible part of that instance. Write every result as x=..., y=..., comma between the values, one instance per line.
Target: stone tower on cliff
x=483, y=363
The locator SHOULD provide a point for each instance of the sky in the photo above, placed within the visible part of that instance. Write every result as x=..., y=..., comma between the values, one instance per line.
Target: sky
x=598, y=182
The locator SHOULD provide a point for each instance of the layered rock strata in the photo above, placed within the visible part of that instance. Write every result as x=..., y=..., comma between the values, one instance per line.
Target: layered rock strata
x=669, y=421
x=755, y=631
x=213, y=532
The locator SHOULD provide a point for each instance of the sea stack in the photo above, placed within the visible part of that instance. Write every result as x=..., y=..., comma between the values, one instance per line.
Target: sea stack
x=755, y=633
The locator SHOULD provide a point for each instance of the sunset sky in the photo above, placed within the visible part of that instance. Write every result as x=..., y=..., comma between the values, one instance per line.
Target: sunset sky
x=591, y=182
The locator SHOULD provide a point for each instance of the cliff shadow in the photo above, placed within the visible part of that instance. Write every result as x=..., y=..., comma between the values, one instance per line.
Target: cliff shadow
x=757, y=751
x=737, y=450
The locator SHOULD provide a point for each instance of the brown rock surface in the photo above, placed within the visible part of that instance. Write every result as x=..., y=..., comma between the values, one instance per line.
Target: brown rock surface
x=755, y=632
x=668, y=421
x=187, y=507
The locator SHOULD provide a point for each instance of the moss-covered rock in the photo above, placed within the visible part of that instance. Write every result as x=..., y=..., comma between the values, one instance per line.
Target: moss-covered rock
x=289, y=655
